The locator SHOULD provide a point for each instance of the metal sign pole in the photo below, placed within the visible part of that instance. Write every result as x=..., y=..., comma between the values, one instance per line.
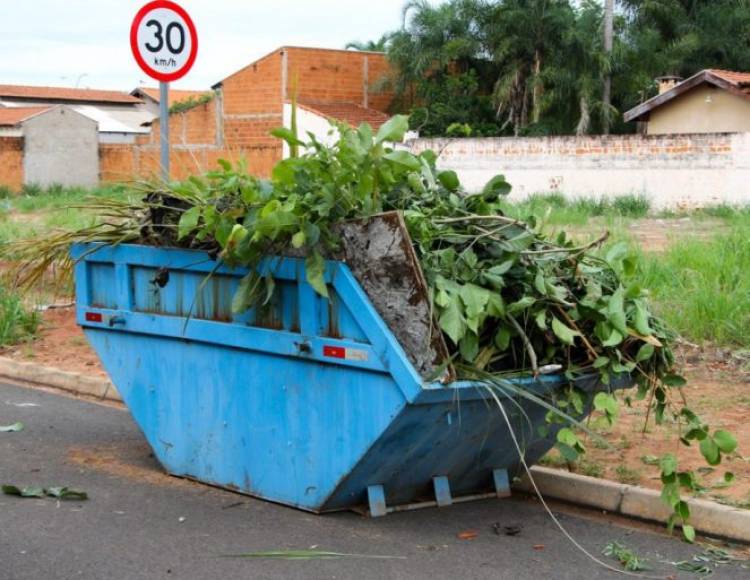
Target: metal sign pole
x=164, y=128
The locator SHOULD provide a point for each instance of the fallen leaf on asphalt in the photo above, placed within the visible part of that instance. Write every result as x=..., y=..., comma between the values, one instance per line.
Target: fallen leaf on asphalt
x=23, y=491
x=66, y=493
x=539, y=547
x=468, y=535
x=14, y=428
x=56, y=492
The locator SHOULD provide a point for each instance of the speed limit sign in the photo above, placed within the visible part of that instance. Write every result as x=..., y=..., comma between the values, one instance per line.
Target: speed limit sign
x=164, y=40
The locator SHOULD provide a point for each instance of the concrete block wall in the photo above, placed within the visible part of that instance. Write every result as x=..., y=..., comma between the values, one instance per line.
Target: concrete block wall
x=61, y=147
x=674, y=171
x=11, y=162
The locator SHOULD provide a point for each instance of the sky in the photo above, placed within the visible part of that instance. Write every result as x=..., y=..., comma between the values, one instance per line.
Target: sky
x=86, y=42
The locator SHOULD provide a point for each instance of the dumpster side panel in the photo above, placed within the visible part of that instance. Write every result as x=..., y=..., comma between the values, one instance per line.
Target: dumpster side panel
x=459, y=433
x=287, y=430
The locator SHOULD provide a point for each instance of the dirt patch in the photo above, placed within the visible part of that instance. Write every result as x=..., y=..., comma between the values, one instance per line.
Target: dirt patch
x=654, y=234
x=127, y=460
x=61, y=344
x=718, y=391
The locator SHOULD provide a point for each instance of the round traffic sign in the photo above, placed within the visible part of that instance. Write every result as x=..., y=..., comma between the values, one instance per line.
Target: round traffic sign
x=164, y=40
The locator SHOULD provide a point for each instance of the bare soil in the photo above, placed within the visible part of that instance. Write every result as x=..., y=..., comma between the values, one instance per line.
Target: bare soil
x=718, y=390
x=655, y=234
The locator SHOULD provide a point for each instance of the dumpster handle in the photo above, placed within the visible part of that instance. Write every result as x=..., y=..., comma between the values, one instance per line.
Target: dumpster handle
x=116, y=320
x=304, y=347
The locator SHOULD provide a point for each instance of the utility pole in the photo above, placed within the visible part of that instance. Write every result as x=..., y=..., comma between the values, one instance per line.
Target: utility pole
x=609, y=17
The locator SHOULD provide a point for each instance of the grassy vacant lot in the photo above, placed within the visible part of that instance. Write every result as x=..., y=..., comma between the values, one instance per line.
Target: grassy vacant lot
x=696, y=264
x=35, y=210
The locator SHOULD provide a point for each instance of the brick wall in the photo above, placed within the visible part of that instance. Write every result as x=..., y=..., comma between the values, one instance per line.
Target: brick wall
x=673, y=170
x=122, y=163
x=255, y=89
x=337, y=76
x=11, y=162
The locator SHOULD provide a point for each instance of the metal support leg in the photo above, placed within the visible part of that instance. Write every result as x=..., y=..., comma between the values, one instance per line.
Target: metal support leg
x=442, y=491
x=502, y=483
x=376, y=499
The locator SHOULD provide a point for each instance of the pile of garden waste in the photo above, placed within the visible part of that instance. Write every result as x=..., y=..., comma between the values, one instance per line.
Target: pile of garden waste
x=507, y=297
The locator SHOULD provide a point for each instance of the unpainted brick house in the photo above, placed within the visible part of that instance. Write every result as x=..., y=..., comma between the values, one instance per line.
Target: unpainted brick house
x=247, y=105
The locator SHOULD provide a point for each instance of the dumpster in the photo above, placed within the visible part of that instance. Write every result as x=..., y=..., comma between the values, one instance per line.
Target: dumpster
x=308, y=402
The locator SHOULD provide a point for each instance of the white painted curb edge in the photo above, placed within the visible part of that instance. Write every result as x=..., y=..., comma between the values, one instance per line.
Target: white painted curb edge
x=77, y=383
x=707, y=517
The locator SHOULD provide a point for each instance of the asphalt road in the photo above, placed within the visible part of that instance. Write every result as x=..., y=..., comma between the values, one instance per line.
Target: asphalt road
x=140, y=523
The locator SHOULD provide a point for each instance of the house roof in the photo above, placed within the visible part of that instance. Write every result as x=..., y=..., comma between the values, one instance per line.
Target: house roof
x=65, y=94
x=12, y=117
x=350, y=113
x=175, y=95
x=737, y=83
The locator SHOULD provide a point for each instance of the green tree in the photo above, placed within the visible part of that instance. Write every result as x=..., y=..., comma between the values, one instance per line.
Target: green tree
x=379, y=45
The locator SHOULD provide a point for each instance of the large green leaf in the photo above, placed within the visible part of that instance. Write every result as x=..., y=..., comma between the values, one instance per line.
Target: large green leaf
x=616, y=311
x=315, y=266
x=725, y=441
x=449, y=180
x=710, y=451
x=287, y=135
x=640, y=320
x=402, y=157
x=452, y=321
x=394, y=130
x=475, y=299
x=497, y=186
x=188, y=221
x=564, y=333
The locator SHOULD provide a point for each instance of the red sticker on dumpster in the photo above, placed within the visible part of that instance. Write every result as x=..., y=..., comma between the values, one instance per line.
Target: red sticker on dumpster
x=345, y=353
x=93, y=317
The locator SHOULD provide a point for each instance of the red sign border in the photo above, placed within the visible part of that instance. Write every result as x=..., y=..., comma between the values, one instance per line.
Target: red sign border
x=169, y=5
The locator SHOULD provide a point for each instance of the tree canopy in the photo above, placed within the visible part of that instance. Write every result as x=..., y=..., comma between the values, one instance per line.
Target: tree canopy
x=528, y=67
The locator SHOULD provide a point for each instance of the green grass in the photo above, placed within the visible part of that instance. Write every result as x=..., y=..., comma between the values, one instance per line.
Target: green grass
x=557, y=209
x=702, y=288
x=34, y=198
x=18, y=323
x=36, y=211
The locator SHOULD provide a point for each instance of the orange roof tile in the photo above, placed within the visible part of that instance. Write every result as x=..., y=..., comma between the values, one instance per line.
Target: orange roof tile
x=12, y=116
x=175, y=95
x=65, y=94
x=350, y=113
x=734, y=77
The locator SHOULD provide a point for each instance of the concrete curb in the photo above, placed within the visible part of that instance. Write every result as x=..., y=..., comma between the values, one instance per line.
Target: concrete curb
x=77, y=383
x=707, y=517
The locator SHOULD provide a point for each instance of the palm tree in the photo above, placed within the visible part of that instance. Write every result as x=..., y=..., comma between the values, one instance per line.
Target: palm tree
x=609, y=18
x=522, y=35
x=379, y=45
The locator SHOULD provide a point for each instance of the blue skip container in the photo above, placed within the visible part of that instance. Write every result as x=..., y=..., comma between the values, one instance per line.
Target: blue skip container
x=307, y=402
